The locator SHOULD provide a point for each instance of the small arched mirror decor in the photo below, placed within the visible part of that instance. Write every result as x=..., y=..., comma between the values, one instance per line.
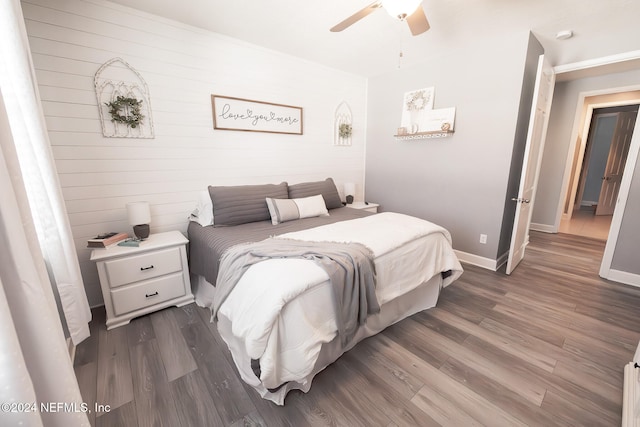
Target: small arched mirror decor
x=123, y=101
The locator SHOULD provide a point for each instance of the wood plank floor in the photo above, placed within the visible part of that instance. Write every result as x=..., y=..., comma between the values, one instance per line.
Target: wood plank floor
x=545, y=346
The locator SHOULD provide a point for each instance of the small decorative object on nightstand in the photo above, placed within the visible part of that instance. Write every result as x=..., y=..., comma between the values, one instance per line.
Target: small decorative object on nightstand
x=349, y=191
x=371, y=207
x=143, y=279
x=139, y=217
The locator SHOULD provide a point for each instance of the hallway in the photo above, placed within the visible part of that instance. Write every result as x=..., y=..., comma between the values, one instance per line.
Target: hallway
x=585, y=223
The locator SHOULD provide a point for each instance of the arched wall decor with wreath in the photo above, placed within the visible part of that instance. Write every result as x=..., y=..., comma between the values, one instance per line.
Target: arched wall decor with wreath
x=123, y=101
x=343, y=125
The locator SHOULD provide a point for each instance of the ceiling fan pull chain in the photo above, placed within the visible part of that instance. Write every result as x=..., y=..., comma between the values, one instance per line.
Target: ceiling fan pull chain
x=401, y=54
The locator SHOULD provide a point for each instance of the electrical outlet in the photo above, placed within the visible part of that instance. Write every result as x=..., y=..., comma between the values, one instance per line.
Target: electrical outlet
x=483, y=239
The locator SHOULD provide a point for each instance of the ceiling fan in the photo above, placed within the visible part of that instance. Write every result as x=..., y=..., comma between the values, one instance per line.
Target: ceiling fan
x=410, y=11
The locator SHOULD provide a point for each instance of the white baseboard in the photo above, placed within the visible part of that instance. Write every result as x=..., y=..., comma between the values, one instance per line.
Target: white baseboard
x=545, y=228
x=624, y=277
x=488, y=263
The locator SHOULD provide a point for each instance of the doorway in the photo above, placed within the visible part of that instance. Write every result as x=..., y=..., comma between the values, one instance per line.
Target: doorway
x=598, y=179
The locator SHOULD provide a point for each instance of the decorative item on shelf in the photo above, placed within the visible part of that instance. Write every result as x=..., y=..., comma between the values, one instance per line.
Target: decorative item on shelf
x=349, y=191
x=126, y=111
x=421, y=121
x=343, y=125
x=139, y=217
x=123, y=101
x=416, y=104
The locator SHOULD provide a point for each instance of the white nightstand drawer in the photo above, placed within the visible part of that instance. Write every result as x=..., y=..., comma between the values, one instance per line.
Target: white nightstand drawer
x=141, y=267
x=147, y=293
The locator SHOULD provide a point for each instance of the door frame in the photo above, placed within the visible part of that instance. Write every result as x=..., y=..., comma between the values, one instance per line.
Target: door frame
x=625, y=185
x=634, y=150
x=581, y=138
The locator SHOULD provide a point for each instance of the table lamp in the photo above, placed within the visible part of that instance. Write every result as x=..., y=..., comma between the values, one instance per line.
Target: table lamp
x=139, y=217
x=349, y=191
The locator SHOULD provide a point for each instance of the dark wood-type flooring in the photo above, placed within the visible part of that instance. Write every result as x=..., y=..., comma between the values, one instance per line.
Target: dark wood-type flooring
x=545, y=346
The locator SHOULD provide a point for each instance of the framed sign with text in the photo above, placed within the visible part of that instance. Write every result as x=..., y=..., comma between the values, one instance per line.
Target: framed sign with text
x=255, y=116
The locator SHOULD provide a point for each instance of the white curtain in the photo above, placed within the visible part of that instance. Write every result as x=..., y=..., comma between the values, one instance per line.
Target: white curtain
x=31, y=158
x=35, y=368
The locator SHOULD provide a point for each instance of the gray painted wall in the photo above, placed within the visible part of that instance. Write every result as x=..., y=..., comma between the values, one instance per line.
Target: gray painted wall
x=460, y=181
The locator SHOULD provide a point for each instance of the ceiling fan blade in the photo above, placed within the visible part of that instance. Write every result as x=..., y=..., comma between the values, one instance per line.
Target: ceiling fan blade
x=356, y=17
x=417, y=21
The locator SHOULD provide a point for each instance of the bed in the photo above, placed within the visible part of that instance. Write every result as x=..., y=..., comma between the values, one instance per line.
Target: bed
x=267, y=264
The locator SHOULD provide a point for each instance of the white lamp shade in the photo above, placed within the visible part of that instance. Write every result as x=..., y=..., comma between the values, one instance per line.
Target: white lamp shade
x=398, y=8
x=138, y=213
x=349, y=189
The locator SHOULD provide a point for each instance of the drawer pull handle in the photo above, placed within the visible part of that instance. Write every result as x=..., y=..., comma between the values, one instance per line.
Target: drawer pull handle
x=146, y=268
x=151, y=295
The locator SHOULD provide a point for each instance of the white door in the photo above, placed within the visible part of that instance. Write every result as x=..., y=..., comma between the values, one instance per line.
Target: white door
x=545, y=80
x=615, y=163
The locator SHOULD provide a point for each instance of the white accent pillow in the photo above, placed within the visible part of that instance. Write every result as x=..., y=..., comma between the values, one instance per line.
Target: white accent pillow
x=203, y=213
x=282, y=210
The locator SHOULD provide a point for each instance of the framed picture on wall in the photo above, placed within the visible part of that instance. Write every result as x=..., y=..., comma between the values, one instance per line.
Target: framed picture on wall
x=255, y=116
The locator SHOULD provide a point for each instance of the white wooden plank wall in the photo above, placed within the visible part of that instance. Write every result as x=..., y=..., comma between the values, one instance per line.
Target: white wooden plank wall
x=183, y=66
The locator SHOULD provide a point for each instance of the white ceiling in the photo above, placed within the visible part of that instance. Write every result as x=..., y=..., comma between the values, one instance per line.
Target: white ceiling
x=371, y=46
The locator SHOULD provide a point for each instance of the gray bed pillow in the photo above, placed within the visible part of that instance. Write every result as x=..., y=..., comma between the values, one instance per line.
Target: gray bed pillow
x=235, y=205
x=327, y=188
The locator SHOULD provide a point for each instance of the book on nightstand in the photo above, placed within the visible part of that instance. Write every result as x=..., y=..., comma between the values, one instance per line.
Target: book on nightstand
x=106, y=239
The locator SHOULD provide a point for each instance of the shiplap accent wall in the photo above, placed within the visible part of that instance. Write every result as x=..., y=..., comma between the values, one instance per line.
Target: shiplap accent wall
x=183, y=66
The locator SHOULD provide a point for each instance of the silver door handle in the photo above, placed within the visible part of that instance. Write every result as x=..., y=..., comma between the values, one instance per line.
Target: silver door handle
x=519, y=200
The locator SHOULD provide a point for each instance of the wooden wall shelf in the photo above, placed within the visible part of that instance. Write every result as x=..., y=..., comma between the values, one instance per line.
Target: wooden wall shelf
x=424, y=135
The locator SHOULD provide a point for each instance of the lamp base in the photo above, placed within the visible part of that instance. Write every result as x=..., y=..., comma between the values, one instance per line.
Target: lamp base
x=349, y=200
x=141, y=231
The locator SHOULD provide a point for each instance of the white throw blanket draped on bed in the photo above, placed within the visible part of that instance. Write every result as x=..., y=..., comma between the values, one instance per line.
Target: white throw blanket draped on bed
x=255, y=304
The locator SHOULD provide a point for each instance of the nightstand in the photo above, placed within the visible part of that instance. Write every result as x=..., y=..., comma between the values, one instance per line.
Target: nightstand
x=143, y=279
x=371, y=207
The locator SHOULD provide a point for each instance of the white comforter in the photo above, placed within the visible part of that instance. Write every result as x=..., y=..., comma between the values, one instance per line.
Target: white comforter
x=254, y=307
x=381, y=233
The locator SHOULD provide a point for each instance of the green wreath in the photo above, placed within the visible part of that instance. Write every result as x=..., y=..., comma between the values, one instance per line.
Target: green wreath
x=126, y=110
x=345, y=130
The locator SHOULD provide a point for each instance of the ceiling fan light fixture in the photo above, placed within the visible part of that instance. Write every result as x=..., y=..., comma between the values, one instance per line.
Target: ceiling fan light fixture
x=400, y=8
